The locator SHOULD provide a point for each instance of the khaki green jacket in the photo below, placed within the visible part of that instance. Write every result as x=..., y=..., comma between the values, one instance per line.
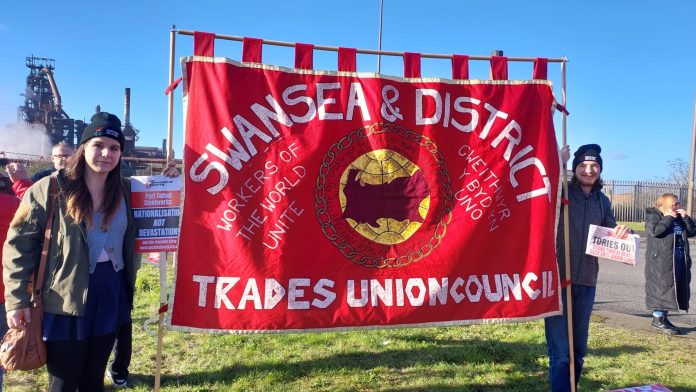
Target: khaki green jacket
x=67, y=271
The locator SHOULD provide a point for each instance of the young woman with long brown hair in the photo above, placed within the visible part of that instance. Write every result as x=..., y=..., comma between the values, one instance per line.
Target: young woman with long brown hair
x=90, y=275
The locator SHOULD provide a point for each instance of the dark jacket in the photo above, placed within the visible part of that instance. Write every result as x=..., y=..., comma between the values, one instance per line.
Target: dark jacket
x=41, y=174
x=584, y=210
x=660, y=286
x=67, y=272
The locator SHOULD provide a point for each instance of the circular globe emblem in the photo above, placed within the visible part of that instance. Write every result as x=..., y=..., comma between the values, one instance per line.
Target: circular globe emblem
x=388, y=174
x=383, y=196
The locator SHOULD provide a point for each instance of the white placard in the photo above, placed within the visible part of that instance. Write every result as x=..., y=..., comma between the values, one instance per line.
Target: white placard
x=601, y=243
x=155, y=201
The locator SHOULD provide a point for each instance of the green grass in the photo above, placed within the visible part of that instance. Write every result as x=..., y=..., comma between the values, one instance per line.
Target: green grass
x=635, y=226
x=493, y=357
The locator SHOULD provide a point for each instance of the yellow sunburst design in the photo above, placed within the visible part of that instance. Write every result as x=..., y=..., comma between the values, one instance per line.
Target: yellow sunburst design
x=381, y=167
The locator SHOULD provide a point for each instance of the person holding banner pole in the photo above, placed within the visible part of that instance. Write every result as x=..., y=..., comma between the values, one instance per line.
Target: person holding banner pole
x=667, y=260
x=586, y=205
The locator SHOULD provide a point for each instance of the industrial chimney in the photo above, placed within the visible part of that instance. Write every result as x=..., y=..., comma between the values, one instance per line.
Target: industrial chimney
x=126, y=115
x=128, y=130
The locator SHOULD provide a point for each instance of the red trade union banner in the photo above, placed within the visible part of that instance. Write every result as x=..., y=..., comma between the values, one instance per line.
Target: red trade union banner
x=325, y=200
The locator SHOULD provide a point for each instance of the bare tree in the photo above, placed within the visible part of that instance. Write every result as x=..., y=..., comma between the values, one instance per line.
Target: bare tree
x=678, y=172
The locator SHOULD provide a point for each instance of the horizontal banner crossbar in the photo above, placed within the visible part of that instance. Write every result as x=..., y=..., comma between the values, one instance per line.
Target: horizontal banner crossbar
x=373, y=51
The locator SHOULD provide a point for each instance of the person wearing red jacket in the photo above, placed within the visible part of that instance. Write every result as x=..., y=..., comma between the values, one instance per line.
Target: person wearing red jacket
x=8, y=205
x=19, y=178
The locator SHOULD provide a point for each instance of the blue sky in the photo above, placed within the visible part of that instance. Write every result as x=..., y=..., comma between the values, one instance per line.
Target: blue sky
x=631, y=77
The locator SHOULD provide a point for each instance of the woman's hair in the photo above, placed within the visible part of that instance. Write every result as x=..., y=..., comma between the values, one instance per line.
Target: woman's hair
x=665, y=203
x=78, y=198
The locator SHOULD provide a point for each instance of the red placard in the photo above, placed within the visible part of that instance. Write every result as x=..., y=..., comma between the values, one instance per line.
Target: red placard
x=315, y=200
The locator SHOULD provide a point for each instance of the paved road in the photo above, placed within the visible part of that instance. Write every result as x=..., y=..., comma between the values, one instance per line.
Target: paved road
x=621, y=289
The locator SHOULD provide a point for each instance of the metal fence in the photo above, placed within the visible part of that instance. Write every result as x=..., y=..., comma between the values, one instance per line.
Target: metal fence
x=630, y=198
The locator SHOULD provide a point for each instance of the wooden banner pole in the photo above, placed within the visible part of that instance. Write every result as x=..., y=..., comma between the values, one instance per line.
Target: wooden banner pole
x=690, y=197
x=160, y=324
x=170, y=102
x=371, y=51
x=163, y=263
x=566, y=236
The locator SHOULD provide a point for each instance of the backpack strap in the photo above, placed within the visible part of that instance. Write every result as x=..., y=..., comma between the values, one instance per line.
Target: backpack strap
x=38, y=286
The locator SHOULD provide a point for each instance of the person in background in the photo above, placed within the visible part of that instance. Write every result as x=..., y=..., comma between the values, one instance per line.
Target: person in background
x=60, y=155
x=587, y=206
x=667, y=260
x=19, y=178
x=8, y=206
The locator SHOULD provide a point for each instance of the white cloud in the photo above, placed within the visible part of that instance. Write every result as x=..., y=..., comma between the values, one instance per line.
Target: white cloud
x=618, y=155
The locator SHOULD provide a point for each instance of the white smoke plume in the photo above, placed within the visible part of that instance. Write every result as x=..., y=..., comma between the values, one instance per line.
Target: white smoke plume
x=22, y=139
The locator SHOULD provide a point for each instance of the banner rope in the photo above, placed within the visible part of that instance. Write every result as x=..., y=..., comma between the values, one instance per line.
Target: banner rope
x=173, y=86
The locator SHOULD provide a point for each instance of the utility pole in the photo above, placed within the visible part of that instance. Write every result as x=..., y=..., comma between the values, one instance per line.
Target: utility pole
x=379, y=41
x=690, y=198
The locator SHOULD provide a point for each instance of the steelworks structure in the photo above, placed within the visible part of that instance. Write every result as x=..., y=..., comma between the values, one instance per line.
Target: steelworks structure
x=43, y=107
